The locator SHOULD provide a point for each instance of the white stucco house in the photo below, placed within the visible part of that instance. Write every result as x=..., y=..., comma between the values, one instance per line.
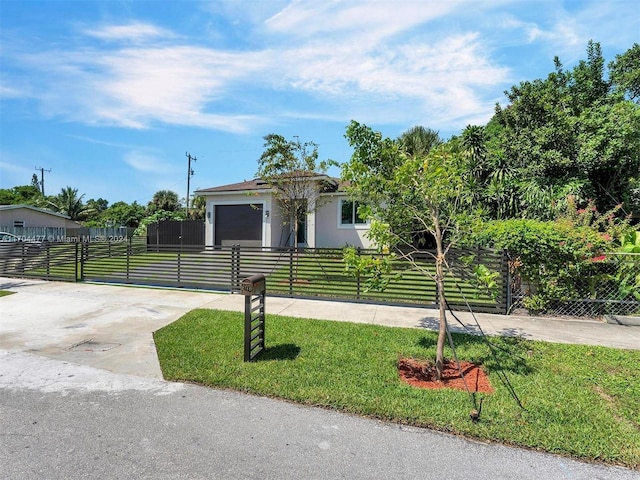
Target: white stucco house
x=28, y=216
x=248, y=213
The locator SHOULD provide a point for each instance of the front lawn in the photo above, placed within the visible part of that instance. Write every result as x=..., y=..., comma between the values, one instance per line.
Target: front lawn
x=581, y=401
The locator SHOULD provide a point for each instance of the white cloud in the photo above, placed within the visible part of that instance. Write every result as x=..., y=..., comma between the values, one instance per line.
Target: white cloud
x=132, y=32
x=364, y=20
x=395, y=60
x=148, y=163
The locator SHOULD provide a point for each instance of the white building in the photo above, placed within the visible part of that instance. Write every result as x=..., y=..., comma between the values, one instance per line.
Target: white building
x=248, y=213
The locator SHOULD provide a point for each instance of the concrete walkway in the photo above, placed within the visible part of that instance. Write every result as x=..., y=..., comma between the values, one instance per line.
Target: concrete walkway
x=110, y=327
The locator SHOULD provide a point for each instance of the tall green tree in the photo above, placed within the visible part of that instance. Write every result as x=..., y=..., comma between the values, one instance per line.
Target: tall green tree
x=69, y=203
x=293, y=170
x=568, y=134
x=123, y=214
x=625, y=73
x=408, y=194
x=165, y=200
x=419, y=140
x=20, y=194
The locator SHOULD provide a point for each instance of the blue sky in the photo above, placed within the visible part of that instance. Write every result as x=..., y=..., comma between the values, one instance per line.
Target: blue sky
x=110, y=95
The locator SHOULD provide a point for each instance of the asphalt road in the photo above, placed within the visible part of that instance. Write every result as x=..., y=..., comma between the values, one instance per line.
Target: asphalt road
x=66, y=421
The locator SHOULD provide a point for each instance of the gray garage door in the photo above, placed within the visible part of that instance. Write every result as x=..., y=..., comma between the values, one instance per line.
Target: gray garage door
x=238, y=224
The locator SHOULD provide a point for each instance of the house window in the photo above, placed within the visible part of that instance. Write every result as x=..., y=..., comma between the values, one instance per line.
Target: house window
x=349, y=213
x=18, y=224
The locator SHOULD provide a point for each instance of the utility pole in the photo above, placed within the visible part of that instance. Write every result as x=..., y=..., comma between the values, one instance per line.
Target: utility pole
x=42, y=170
x=189, y=175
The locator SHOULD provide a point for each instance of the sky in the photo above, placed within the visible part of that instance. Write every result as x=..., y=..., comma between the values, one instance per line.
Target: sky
x=108, y=97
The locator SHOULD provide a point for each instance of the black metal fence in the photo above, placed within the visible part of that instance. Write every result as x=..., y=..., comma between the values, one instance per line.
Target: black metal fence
x=289, y=272
x=176, y=232
x=613, y=289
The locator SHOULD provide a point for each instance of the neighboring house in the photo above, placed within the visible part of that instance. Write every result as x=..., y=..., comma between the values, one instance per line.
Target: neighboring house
x=247, y=213
x=28, y=216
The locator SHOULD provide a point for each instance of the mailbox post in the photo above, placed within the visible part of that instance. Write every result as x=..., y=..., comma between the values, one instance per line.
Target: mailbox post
x=253, y=288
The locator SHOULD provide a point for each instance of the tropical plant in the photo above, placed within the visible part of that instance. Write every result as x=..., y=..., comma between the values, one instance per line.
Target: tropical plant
x=291, y=168
x=572, y=133
x=164, y=200
x=69, y=203
x=419, y=140
x=408, y=196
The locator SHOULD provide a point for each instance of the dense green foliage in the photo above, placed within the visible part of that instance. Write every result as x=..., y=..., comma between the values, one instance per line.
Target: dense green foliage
x=69, y=203
x=97, y=212
x=21, y=194
x=581, y=401
x=573, y=133
x=164, y=200
x=555, y=257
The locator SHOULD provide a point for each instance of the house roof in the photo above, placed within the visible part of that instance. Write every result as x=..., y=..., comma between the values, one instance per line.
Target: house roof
x=258, y=184
x=36, y=209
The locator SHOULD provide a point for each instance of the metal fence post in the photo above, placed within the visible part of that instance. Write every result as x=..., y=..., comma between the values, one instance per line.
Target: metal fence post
x=358, y=251
x=508, y=299
x=291, y=271
x=235, y=268
x=128, y=254
x=76, y=262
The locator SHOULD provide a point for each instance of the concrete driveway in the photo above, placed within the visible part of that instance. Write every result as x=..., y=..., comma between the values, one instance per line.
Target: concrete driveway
x=111, y=327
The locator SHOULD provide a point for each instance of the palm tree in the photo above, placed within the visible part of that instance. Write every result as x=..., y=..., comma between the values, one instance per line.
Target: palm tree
x=419, y=140
x=166, y=200
x=69, y=203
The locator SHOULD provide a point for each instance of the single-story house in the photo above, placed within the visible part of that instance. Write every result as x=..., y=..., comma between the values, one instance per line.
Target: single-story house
x=28, y=216
x=249, y=213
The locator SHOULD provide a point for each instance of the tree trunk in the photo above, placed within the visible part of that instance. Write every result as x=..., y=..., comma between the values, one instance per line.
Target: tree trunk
x=442, y=331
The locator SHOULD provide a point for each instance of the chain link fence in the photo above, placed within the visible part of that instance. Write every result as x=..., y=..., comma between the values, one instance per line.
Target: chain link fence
x=609, y=286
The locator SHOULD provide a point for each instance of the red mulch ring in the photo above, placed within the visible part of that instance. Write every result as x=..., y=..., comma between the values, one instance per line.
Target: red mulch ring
x=422, y=374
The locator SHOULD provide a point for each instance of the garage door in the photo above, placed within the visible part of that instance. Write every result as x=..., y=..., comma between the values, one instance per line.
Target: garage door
x=238, y=224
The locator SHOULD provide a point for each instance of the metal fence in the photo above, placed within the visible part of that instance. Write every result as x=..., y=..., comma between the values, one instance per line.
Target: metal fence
x=611, y=286
x=290, y=272
x=69, y=235
x=176, y=232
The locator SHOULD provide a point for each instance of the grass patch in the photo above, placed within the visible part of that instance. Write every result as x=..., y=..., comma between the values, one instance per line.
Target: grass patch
x=4, y=293
x=581, y=401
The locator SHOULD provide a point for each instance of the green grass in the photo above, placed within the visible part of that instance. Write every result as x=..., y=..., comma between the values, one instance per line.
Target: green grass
x=580, y=401
x=4, y=293
x=325, y=276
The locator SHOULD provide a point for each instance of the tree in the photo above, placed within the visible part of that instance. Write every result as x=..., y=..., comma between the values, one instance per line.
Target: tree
x=408, y=194
x=292, y=169
x=198, y=208
x=568, y=134
x=625, y=73
x=35, y=182
x=69, y=203
x=159, y=216
x=165, y=200
x=123, y=214
x=20, y=194
x=419, y=140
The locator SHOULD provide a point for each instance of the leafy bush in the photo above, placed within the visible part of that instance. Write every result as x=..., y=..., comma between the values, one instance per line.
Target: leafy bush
x=554, y=258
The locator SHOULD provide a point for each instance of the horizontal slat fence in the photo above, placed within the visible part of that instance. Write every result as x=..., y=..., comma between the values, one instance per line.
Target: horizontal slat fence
x=309, y=273
x=321, y=273
x=48, y=261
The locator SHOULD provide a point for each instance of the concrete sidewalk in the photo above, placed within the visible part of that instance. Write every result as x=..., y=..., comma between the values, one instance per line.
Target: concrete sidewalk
x=110, y=327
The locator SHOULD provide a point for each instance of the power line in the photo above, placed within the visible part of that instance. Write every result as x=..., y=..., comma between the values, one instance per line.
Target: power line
x=42, y=170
